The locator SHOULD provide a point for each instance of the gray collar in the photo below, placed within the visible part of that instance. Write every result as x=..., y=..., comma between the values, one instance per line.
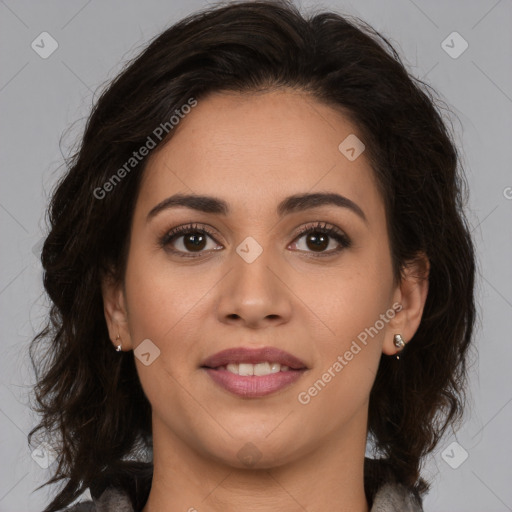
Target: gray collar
x=390, y=497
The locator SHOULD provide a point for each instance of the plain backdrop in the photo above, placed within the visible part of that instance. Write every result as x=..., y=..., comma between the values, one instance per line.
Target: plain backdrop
x=42, y=97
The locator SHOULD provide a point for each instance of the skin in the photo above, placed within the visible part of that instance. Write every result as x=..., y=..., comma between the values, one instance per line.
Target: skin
x=253, y=150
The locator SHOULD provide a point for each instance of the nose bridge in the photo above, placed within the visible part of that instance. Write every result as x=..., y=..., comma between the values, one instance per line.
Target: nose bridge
x=253, y=292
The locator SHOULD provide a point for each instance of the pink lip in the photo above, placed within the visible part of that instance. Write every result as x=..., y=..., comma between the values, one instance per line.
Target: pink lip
x=253, y=386
x=253, y=356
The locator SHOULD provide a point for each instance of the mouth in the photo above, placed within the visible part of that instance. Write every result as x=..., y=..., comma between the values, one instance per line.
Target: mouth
x=254, y=373
x=254, y=361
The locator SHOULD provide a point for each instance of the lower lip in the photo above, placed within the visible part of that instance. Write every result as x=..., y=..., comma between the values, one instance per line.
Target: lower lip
x=252, y=386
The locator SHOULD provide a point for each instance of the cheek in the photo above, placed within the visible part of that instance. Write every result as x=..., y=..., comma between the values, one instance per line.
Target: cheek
x=352, y=307
x=346, y=299
x=162, y=306
x=158, y=295
x=350, y=352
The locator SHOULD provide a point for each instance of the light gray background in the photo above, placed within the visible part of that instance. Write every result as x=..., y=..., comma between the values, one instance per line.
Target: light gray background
x=40, y=98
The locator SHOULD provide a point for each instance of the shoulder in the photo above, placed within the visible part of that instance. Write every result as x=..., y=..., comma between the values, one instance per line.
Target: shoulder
x=395, y=497
x=111, y=500
x=84, y=506
x=386, y=492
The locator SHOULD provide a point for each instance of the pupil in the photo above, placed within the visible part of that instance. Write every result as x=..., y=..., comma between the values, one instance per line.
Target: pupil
x=318, y=240
x=197, y=238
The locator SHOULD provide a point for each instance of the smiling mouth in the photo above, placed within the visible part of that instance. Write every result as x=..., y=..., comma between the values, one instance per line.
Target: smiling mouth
x=258, y=370
x=250, y=372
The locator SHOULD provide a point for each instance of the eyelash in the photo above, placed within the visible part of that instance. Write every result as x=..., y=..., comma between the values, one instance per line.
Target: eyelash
x=319, y=227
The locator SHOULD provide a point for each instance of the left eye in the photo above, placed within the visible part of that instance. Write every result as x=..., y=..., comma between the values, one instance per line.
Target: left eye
x=318, y=238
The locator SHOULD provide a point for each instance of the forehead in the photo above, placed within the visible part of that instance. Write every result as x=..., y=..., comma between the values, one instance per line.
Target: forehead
x=259, y=148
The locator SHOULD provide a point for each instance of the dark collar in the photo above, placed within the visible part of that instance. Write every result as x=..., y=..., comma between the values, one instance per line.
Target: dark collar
x=128, y=490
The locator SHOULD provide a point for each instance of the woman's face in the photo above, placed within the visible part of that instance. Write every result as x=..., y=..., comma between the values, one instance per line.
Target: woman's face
x=254, y=281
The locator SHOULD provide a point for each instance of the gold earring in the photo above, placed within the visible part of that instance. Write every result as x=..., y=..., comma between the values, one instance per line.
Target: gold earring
x=399, y=343
x=119, y=347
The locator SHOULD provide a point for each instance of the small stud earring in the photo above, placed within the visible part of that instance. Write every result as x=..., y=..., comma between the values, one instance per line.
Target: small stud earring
x=399, y=343
x=119, y=347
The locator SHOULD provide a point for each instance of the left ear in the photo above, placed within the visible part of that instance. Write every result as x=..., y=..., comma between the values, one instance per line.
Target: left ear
x=411, y=294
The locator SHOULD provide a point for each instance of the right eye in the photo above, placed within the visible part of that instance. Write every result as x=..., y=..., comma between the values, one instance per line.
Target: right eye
x=193, y=240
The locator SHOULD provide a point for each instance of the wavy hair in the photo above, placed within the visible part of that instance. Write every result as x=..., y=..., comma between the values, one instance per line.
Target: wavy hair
x=89, y=396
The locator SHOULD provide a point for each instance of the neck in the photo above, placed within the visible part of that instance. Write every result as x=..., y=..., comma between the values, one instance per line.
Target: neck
x=329, y=477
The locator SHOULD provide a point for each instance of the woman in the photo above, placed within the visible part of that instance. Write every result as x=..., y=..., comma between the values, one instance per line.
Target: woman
x=266, y=209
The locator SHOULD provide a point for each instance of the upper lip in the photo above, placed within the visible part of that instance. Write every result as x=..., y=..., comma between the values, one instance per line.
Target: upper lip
x=253, y=356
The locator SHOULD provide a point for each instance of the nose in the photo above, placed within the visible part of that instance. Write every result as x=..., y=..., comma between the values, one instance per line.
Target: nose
x=256, y=294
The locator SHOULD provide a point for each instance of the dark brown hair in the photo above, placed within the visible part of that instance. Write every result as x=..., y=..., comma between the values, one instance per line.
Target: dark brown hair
x=89, y=395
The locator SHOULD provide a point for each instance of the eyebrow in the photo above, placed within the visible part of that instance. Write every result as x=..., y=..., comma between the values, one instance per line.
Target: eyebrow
x=291, y=204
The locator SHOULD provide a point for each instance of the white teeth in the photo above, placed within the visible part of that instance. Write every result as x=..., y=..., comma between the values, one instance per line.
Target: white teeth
x=246, y=369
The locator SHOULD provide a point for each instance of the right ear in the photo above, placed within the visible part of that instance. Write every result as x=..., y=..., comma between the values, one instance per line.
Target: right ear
x=116, y=313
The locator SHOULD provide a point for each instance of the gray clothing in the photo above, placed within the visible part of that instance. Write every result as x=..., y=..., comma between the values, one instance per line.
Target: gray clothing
x=390, y=497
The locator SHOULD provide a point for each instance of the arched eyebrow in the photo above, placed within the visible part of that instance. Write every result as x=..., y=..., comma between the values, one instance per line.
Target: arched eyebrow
x=291, y=204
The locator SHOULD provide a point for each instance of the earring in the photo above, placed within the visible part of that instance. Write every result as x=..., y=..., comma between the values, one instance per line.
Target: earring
x=399, y=343
x=119, y=347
